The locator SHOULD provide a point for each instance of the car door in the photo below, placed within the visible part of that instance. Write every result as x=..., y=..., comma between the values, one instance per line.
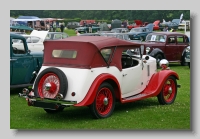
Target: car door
x=21, y=65
x=171, y=49
x=131, y=79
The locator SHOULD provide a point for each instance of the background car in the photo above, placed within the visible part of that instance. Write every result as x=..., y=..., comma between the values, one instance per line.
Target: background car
x=119, y=30
x=24, y=65
x=85, y=29
x=140, y=33
x=167, y=45
x=156, y=25
x=34, y=41
x=73, y=25
x=56, y=35
x=170, y=25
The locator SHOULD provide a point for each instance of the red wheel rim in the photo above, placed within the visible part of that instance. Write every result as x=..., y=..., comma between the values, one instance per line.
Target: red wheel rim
x=169, y=90
x=104, y=101
x=48, y=86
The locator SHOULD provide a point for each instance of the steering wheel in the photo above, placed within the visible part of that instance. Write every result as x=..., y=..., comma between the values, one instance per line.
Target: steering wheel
x=15, y=50
x=127, y=58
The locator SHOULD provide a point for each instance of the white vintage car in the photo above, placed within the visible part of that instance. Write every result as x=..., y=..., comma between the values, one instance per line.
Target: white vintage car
x=97, y=71
x=34, y=41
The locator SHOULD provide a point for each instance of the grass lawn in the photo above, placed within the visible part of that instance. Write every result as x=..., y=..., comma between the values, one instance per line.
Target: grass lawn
x=139, y=115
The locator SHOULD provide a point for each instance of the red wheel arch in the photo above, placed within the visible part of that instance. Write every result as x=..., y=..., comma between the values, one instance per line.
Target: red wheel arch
x=90, y=96
x=157, y=81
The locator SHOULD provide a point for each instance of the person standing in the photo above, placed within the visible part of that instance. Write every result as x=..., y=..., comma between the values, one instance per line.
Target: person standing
x=90, y=28
x=62, y=27
x=54, y=26
x=125, y=24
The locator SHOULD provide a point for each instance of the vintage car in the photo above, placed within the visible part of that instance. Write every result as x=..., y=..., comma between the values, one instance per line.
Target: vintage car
x=156, y=25
x=56, y=35
x=113, y=71
x=85, y=29
x=24, y=65
x=90, y=34
x=170, y=25
x=187, y=55
x=34, y=41
x=167, y=45
x=119, y=30
x=73, y=25
x=140, y=33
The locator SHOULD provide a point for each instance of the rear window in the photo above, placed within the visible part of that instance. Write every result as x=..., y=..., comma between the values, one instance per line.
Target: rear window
x=64, y=54
x=106, y=54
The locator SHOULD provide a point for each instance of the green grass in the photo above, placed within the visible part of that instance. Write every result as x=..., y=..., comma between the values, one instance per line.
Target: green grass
x=145, y=114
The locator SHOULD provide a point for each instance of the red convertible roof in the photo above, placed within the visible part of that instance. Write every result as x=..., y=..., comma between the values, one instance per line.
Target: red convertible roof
x=87, y=48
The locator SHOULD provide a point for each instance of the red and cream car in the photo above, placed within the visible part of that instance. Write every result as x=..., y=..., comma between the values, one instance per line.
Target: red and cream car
x=97, y=71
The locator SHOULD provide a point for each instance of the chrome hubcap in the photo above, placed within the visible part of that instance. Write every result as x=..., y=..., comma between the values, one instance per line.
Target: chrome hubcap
x=170, y=90
x=105, y=101
x=47, y=86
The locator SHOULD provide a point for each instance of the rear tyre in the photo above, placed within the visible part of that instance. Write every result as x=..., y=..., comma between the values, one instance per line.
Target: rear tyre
x=169, y=91
x=50, y=82
x=183, y=63
x=104, y=102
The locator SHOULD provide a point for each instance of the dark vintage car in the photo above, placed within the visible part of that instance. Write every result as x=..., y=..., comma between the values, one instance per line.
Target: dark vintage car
x=170, y=25
x=140, y=33
x=24, y=65
x=167, y=45
x=85, y=29
x=70, y=76
x=90, y=34
x=56, y=35
x=73, y=25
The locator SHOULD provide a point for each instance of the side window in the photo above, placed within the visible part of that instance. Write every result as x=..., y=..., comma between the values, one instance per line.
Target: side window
x=57, y=36
x=106, y=53
x=171, y=40
x=180, y=39
x=18, y=48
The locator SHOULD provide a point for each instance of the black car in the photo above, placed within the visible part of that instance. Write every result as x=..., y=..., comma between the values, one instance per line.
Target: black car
x=56, y=35
x=170, y=25
x=73, y=25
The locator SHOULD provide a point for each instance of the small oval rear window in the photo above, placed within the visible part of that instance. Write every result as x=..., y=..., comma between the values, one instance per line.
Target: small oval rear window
x=64, y=53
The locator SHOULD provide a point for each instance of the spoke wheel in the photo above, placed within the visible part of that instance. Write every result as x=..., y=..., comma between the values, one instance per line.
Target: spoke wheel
x=104, y=103
x=50, y=82
x=169, y=91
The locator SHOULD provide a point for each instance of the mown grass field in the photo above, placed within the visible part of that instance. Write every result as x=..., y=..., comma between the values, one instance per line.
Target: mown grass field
x=145, y=114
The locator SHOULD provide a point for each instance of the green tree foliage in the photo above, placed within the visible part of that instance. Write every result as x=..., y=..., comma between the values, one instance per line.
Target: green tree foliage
x=131, y=15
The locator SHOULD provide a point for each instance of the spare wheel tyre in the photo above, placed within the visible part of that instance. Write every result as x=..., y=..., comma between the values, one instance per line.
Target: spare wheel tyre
x=50, y=82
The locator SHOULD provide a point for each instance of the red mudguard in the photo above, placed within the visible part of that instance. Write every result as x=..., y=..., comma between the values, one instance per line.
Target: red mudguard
x=91, y=94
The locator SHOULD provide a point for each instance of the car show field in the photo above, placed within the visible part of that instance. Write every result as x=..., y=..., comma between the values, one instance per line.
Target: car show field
x=85, y=77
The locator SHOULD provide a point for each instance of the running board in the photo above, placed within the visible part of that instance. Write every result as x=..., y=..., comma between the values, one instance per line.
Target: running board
x=135, y=97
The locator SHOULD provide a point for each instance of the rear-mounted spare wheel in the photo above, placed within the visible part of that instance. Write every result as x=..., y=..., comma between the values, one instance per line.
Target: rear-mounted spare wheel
x=51, y=82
